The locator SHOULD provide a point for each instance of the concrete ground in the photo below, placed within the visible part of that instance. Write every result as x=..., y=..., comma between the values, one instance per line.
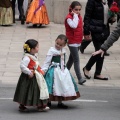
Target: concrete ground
x=13, y=37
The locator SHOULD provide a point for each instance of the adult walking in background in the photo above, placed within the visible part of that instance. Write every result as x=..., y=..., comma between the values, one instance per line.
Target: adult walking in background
x=74, y=33
x=96, y=26
x=6, y=14
x=21, y=11
x=85, y=42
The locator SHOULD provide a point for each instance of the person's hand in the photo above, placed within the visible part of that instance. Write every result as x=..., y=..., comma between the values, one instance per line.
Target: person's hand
x=112, y=20
x=73, y=13
x=98, y=52
x=87, y=37
x=31, y=74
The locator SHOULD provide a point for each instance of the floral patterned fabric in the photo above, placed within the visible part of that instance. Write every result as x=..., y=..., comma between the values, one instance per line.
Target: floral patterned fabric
x=6, y=16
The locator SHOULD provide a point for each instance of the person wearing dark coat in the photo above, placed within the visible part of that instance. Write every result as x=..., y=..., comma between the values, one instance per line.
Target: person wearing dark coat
x=85, y=43
x=96, y=25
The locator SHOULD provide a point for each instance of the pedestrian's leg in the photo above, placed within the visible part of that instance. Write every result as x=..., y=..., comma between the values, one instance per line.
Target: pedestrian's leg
x=84, y=44
x=70, y=62
x=99, y=62
x=92, y=60
x=21, y=11
x=74, y=58
x=13, y=8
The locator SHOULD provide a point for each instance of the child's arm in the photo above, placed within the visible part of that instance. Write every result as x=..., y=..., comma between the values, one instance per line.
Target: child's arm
x=73, y=23
x=23, y=66
x=47, y=63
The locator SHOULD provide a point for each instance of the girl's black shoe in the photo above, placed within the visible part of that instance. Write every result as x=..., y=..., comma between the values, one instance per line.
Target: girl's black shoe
x=61, y=105
x=22, y=108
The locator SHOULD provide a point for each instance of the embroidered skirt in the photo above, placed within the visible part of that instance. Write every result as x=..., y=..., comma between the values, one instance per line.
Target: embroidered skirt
x=6, y=16
x=27, y=92
x=55, y=92
x=38, y=17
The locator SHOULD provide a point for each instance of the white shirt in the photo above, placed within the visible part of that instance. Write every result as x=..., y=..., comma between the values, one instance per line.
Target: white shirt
x=105, y=13
x=52, y=52
x=24, y=65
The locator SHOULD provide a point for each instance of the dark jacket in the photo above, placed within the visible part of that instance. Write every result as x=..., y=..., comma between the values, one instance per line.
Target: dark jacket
x=5, y=3
x=94, y=17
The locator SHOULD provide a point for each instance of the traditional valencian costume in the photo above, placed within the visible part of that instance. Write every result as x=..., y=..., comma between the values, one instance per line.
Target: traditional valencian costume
x=31, y=91
x=61, y=85
x=6, y=13
x=37, y=13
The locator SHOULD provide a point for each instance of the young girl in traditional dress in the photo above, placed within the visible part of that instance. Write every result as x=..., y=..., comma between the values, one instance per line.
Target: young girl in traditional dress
x=61, y=85
x=6, y=13
x=37, y=13
x=31, y=89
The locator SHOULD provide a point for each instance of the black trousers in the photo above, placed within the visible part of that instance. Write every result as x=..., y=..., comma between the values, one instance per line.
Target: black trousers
x=85, y=43
x=97, y=42
x=20, y=8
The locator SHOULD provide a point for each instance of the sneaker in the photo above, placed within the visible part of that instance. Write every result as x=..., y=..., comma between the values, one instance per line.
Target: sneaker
x=46, y=108
x=61, y=105
x=81, y=81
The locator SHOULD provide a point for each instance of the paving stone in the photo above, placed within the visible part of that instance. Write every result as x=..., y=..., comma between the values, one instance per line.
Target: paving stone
x=13, y=38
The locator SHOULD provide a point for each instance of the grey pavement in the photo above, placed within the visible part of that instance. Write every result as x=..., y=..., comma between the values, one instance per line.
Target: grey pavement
x=13, y=37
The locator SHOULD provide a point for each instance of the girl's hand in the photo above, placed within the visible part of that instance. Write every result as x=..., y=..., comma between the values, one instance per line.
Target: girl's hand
x=72, y=13
x=98, y=52
x=31, y=75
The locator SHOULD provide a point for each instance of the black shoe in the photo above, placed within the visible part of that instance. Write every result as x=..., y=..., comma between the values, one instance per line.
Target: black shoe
x=105, y=78
x=81, y=81
x=22, y=108
x=49, y=104
x=106, y=54
x=40, y=25
x=88, y=77
x=81, y=50
x=35, y=25
x=22, y=20
x=61, y=105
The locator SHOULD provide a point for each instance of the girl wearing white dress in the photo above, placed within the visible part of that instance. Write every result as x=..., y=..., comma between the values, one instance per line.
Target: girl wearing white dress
x=61, y=85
